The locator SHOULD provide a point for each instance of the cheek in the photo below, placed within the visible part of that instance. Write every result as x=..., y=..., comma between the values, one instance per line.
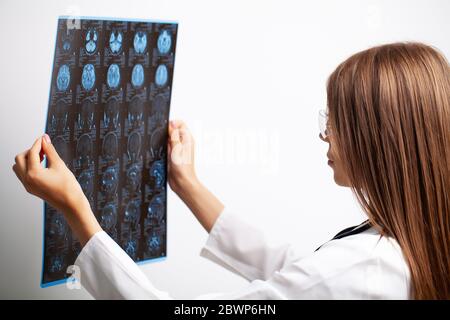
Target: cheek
x=333, y=151
x=339, y=177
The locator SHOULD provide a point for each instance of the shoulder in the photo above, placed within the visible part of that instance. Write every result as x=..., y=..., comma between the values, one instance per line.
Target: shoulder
x=365, y=265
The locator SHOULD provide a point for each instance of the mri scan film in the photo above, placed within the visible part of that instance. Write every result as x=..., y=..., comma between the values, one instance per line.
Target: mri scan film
x=107, y=117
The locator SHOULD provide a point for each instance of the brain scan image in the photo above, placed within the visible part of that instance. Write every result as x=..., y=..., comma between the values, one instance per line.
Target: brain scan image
x=110, y=146
x=56, y=263
x=159, y=104
x=88, y=77
x=113, y=76
x=84, y=150
x=132, y=212
x=157, y=141
x=110, y=180
x=58, y=226
x=61, y=147
x=140, y=42
x=135, y=111
x=155, y=209
x=134, y=145
x=154, y=243
x=107, y=118
x=76, y=248
x=134, y=177
x=111, y=115
x=115, y=41
x=158, y=173
x=60, y=116
x=66, y=45
x=63, y=78
x=86, y=115
x=86, y=181
x=109, y=217
x=161, y=75
x=130, y=247
x=137, y=75
x=66, y=41
x=164, y=42
x=158, y=112
x=91, y=41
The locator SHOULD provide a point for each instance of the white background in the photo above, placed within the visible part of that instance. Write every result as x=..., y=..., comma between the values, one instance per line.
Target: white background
x=249, y=79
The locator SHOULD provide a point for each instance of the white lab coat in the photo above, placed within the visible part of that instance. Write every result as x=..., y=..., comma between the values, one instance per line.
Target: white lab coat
x=360, y=266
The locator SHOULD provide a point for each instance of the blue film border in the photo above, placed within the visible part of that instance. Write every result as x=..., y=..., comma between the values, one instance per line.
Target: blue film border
x=119, y=19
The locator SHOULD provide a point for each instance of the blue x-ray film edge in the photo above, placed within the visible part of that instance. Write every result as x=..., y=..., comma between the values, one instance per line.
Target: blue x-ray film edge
x=43, y=285
x=119, y=19
x=150, y=260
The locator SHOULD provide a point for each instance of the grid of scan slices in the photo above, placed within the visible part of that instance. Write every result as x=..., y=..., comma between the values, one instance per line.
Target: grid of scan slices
x=107, y=118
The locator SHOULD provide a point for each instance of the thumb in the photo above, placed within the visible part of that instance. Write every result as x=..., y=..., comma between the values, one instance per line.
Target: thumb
x=50, y=151
x=174, y=137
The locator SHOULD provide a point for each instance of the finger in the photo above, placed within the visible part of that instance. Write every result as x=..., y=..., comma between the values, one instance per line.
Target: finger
x=41, y=154
x=175, y=137
x=169, y=152
x=169, y=146
x=185, y=136
x=17, y=172
x=50, y=151
x=172, y=126
x=33, y=156
x=176, y=124
x=21, y=164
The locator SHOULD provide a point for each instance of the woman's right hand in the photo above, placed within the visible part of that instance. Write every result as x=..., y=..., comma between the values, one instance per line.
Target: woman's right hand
x=56, y=185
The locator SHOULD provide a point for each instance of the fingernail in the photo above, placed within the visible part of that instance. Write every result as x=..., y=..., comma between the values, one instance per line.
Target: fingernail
x=172, y=123
x=47, y=138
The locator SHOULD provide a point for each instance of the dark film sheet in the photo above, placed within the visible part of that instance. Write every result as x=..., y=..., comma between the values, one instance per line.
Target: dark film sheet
x=107, y=118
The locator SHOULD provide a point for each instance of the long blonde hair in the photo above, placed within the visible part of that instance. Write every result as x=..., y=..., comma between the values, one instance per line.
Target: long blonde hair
x=389, y=113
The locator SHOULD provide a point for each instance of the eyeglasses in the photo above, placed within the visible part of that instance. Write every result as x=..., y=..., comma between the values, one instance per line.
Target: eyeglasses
x=323, y=123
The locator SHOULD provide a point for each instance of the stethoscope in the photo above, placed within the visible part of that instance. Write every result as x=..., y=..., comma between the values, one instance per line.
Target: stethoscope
x=351, y=231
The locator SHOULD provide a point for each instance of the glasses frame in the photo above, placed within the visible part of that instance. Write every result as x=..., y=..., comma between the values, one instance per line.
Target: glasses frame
x=323, y=123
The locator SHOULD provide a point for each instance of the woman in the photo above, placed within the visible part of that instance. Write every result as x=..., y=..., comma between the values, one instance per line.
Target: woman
x=387, y=126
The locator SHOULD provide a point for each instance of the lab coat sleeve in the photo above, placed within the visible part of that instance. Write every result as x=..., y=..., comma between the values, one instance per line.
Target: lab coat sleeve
x=243, y=249
x=298, y=282
x=107, y=272
x=342, y=269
